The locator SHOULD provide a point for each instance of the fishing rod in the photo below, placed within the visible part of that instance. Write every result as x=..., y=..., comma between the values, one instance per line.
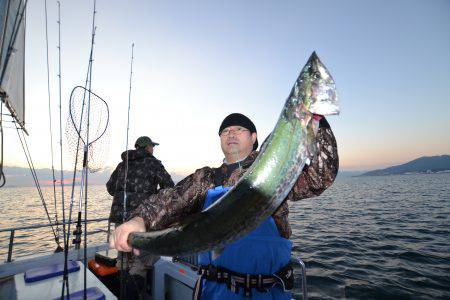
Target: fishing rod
x=84, y=177
x=124, y=213
x=59, y=249
x=86, y=159
x=126, y=143
x=60, y=123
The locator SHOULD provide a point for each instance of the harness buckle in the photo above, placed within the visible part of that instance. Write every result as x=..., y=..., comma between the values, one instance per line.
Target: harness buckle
x=285, y=277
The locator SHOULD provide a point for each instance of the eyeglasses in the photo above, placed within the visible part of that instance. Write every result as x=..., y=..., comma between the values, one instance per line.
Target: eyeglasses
x=236, y=131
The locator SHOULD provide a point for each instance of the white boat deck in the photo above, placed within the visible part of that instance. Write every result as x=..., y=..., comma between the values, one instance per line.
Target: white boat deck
x=51, y=288
x=30, y=262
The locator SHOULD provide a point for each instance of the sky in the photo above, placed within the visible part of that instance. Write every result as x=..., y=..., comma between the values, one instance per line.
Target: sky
x=195, y=62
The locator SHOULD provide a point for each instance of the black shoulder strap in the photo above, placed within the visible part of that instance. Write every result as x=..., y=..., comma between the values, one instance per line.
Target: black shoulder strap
x=218, y=176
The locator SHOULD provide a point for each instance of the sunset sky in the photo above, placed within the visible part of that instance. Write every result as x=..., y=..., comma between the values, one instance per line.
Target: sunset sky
x=198, y=61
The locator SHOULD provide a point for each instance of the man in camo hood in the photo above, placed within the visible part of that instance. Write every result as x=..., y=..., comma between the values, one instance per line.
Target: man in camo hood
x=145, y=174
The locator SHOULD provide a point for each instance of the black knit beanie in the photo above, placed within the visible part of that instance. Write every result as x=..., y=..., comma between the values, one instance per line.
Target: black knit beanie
x=237, y=119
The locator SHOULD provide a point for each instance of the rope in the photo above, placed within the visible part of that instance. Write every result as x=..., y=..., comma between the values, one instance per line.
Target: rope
x=35, y=178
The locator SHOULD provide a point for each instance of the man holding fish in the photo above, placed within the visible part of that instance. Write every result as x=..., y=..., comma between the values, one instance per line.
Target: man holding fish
x=236, y=215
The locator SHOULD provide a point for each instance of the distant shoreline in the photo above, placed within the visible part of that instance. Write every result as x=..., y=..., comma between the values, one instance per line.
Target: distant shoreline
x=406, y=173
x=421, y=165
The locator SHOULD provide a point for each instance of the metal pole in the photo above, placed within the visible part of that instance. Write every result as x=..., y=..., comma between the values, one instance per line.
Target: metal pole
x=303, y=275
x=10, y=247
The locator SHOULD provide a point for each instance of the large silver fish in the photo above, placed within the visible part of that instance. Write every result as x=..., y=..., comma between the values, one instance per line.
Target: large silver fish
x=265, y=185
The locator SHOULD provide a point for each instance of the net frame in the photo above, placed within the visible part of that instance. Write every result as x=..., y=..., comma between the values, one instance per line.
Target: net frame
x=76, y=129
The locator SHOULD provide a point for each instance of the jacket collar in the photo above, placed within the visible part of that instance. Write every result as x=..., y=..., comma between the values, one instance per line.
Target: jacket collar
x=246, y=162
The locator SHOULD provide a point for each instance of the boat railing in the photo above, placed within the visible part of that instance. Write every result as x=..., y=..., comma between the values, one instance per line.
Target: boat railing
x=13, y=230
x=303, y=286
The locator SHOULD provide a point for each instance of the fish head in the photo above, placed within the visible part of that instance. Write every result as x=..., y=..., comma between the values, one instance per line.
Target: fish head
x=316, y=89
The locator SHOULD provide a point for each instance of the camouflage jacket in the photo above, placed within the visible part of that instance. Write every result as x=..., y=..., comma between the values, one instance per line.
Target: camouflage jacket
x=188, y=196
x=145, y=173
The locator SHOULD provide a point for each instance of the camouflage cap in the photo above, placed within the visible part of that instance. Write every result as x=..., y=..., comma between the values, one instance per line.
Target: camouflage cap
x=144, y=141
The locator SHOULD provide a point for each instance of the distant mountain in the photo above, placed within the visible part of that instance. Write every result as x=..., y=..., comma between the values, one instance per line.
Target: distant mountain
x=424, y=164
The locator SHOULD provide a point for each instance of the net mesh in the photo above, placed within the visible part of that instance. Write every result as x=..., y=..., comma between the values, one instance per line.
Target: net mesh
x=77, y=126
